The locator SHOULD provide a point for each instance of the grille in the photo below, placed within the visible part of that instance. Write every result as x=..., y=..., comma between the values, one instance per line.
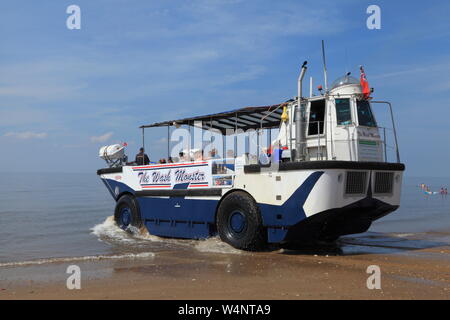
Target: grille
x=356, y=182
x=383, y=182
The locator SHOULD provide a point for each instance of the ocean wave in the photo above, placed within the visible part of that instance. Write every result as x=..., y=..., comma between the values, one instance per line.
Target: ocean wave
x=141, y=255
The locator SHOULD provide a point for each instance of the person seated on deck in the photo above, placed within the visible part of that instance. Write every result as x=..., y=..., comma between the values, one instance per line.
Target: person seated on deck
x=198, y=155
x=213, y=154
x=183, y=157
x=264, y=157
x=142, y=158
x=170, y=160
x=162, y=161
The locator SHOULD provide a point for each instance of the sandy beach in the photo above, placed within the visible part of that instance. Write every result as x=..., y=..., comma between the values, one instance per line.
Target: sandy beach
x=282, y=274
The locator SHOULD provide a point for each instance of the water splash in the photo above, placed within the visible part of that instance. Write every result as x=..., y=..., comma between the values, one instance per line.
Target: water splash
x=108, y=231
x=215, y=245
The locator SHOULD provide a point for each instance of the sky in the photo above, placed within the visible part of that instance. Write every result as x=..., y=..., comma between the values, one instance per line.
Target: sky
x=65, y=93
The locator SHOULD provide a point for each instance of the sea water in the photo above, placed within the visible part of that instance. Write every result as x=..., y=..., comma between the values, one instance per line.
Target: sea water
x=64, y=217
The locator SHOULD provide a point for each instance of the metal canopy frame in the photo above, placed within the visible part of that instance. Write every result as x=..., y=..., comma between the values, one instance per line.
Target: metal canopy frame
x=264, y=117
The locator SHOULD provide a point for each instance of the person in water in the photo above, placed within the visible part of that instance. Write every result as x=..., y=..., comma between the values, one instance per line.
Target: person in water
x=142, y=158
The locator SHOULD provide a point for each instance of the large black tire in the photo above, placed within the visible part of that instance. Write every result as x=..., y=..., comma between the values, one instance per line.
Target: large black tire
x=239, y=222
x=127, y=213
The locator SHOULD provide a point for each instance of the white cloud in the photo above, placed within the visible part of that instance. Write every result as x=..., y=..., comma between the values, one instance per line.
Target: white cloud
x=103, y=138
x=26, y=135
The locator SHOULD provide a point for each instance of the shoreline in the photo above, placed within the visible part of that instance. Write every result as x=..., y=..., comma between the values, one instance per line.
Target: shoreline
x=284, y=274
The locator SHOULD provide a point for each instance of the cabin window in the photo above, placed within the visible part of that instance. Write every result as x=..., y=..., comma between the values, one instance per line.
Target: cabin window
x=365, y=115
x=343, y=113
x=316, y=117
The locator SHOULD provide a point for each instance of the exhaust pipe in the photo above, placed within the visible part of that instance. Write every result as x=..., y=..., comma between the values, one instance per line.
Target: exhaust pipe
x=299, y=124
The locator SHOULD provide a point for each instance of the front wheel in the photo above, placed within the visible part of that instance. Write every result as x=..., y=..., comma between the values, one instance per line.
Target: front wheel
x=127, y=213
x=239, y=222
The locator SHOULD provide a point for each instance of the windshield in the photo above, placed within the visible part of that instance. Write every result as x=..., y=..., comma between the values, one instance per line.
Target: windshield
x=343, y=114
x=365, y=115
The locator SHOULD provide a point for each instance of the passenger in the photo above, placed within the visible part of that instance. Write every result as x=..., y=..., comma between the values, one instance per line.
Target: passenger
x=170, y=160
x=264, y=157
x=162, y=161
x=141, y=158
x=183, y=157
x=277, y=151
x=198, y=155
x=213, y=154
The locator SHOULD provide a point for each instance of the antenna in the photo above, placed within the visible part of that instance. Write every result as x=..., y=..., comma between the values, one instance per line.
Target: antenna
x=324, y=66
x=346, y=60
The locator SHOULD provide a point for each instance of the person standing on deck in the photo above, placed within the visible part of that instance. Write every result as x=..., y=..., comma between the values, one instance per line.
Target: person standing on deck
x=142, y=158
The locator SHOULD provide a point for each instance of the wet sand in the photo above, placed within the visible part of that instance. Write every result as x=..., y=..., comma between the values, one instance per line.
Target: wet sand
x=337, y=272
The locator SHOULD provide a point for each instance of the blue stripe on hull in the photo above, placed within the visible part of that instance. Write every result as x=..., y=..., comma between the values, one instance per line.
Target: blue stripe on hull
x=117, y=188
x=291, y=212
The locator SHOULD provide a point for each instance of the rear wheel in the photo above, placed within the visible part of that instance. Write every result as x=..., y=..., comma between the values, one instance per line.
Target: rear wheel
x=239, y=222
x=127, y=213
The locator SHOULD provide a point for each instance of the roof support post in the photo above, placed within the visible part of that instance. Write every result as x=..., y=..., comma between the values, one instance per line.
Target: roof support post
x=257, y=143
x=190, y=141
x=235, y=136
x=143, y=138
x=168, y=142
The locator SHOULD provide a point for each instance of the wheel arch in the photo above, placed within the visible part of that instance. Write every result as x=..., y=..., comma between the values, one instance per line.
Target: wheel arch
x=125, y=193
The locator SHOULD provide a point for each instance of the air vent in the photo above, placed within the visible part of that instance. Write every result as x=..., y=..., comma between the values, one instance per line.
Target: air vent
x=356, y=182
x=384, y=182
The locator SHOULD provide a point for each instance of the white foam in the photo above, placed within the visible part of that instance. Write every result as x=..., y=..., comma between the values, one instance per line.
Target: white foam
x=215, y=245
x=141, y=255
x=403, y=235
x=109, y=229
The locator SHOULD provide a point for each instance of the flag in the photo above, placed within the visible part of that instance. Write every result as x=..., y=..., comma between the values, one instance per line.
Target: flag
x=364, y=83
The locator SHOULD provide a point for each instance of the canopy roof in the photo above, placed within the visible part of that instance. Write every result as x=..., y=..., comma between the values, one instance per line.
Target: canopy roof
x=244, y=119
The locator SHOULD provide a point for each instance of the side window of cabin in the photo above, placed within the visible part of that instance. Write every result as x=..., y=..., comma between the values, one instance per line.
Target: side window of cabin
x=316, y=117
x=343, y=113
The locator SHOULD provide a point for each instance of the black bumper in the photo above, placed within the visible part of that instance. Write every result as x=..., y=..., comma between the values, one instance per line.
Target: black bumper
x=330, y=224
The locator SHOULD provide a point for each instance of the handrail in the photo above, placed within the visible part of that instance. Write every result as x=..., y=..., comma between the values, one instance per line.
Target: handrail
x=393, y=125
x=322, y=139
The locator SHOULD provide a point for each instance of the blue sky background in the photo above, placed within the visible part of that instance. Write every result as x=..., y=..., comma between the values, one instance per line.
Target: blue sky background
x=64, y=93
